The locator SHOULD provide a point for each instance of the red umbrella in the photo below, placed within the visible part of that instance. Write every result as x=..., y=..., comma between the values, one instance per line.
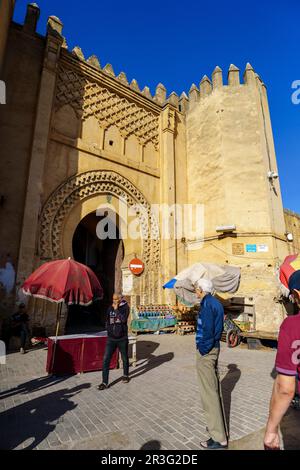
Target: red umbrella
x=288, y=267
x=64, y=280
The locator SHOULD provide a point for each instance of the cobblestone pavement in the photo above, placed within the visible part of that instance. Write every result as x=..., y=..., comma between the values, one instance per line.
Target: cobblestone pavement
x=159, y=408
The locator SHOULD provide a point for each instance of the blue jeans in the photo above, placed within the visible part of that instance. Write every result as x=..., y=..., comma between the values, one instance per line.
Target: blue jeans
x=111, y=346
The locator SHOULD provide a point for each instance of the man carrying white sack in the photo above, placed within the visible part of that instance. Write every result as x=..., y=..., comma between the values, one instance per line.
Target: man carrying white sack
x=209, y=330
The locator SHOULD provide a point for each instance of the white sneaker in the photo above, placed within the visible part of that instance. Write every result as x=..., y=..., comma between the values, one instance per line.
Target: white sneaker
x=22, y=350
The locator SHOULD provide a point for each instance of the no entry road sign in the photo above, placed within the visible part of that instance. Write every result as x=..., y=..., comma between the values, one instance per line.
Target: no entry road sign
x=136, y=266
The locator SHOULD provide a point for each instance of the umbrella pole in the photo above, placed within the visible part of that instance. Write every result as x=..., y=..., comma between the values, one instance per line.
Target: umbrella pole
x=58, y=318
x=59, y=307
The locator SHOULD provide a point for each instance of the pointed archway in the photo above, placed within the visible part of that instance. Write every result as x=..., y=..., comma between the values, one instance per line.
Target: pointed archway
x=80, y=189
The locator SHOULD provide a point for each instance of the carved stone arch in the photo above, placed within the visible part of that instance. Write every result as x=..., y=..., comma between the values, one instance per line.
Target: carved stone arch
x=84, y=185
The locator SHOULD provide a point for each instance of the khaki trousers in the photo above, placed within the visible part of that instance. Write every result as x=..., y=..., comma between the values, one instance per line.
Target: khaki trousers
x=207, y=371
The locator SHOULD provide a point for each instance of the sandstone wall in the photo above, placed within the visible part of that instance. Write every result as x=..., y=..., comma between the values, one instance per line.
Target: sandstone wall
x=21, y=73
x=292, y=221
x=230, y=152
x=6, y=12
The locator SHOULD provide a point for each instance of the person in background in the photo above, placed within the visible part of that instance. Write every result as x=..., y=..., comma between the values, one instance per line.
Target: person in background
x=117, y=337
x=287, y=365
x=210, y=323
x=19, y=327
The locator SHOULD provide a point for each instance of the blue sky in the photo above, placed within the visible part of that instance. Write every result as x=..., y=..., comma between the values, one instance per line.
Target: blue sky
x=176, y=43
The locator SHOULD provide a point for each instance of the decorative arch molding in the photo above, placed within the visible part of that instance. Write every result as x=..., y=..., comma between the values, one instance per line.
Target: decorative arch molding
x=82, y=186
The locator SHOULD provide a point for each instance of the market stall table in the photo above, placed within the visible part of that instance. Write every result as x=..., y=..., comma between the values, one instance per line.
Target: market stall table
x=78, y=353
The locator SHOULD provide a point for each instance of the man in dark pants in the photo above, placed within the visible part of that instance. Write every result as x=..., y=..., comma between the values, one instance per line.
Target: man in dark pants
x=117, y=337
x=19, y=327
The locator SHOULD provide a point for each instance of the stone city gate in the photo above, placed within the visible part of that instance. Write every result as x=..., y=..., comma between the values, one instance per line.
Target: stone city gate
x=78, y=188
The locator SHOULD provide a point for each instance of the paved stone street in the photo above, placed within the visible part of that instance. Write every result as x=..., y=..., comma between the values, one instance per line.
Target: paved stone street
x=161, y=403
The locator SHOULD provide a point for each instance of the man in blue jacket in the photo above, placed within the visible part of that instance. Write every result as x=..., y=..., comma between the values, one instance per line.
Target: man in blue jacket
x=209, y=330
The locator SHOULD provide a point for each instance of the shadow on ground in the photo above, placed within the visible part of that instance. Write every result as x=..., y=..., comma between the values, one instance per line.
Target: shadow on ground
x=228, y=384
x=34, y=385
x=30, y=423
x=149, y=360
x=253, y=441
x=151, y=445
x=290, y=436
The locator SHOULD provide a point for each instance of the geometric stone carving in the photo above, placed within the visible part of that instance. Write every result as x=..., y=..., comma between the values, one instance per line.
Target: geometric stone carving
x=82, y=186
x=89, y=98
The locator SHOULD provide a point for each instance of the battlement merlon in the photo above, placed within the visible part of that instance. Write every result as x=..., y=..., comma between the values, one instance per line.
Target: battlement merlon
x=230, y=139
x=207, y=86
x=54, y=29
x=31, y=19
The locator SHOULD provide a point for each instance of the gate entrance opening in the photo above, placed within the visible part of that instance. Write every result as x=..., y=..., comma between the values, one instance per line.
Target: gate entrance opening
x=105, y=258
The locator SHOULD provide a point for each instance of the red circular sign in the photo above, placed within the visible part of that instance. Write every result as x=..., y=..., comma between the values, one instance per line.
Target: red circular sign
x=136, y=266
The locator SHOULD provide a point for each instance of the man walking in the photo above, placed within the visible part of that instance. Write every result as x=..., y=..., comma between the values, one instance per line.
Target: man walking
x=288, y=367
x=117, y=337
x=209, y=330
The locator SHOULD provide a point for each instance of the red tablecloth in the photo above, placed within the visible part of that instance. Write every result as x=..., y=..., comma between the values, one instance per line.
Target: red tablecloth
x=79, y=353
